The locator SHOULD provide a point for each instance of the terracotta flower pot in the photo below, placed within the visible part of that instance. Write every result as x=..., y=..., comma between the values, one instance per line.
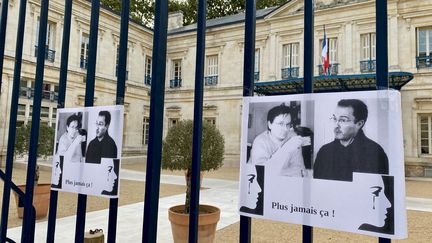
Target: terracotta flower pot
x=207, y=221
x=41, y=200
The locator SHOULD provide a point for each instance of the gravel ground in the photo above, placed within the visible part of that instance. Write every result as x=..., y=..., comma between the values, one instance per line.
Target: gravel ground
x=419, y=223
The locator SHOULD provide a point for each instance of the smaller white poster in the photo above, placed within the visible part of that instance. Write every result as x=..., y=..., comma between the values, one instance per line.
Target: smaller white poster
x=332, y=160
x=87, y=151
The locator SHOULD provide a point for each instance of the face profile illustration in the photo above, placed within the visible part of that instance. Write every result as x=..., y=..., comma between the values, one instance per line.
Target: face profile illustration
x=251, y=199
x=110, y=175
x=376, y=202
x=56, y=179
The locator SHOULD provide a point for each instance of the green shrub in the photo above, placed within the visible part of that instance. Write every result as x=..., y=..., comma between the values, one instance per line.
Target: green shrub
x=177, y=150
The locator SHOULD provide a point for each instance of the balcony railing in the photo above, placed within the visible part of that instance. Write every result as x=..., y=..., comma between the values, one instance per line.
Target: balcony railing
x=49, y=54
x=333, y=69
x=175, y=83
x=83, y=63
x=47, y=95
x=147, y=80
x=211, y=80
x=290, y=72
x=368, y=66
x=257, y=76
x=127, y=73
x=424, y=62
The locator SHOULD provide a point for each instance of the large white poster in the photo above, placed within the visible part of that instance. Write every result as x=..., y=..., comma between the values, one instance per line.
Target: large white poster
x=87, y=151
x=331, y=160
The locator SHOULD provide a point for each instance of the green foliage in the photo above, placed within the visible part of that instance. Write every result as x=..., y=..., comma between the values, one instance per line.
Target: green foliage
x=177, y=147
x=45, y=143
x=143, y=10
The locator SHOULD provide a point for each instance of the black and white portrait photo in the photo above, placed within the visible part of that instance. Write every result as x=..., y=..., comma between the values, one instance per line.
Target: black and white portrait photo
x=103, y=136
x=280, y=137
x=71, y=136
x=353, y=146
x=328, y=160
x=87, y=155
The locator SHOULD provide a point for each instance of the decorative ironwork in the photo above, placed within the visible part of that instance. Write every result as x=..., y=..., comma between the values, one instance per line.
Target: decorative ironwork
x=28, y=93
x=175, y=83
x=333, y=69
x=335, y=83
x=211, y=80
x=291, y=72
x=424, y=62
x=368, y=66
x=147, y=80
x=49, y=54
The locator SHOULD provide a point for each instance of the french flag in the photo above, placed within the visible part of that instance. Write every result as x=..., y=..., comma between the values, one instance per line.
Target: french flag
x=324, y=55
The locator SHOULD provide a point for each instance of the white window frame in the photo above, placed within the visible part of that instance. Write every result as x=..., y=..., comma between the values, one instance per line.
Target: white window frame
x=146, y=130
x=290, y=54
x=84, y=47
x=428, y=41
x=425, y=133
x=148, y=65
x=176, y=69
x=51, y=34
x=332, y=50
x=257, y=60
x=212, y=65
x=368, y=46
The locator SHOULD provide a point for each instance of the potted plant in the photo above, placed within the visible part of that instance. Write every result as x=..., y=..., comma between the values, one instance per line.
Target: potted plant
x=177, y=155
x=41, y=194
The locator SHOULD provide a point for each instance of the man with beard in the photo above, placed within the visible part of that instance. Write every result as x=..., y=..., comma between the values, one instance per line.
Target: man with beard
x=350, y=151
x=103, y=146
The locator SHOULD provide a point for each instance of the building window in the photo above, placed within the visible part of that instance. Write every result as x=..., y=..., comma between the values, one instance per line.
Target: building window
x=257, y=65
x=211, y=78
x=21, y=110
x=118, y=59
x=368, y=52
x=148, y=71
x=44, y=112
x=84, y=50
x=425, y=134
x=50, y=41
x=290, y=62
x=424, y=47
x=332, y=53
x=146, y=129
x=210, y=120
x=176, y=80
x=172, y=122
x=54, y=114
x=176, y=69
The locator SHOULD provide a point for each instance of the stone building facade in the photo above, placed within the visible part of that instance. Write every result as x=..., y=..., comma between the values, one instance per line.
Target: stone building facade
x=350, y=31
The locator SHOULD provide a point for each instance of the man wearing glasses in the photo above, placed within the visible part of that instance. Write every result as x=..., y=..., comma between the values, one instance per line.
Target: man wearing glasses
x=102, y=146
x=350, y=151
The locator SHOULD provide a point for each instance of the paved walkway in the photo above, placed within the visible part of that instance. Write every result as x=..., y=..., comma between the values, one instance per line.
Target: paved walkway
x=222, y=193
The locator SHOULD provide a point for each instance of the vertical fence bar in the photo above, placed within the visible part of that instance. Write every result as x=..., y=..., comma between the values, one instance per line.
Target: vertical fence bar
x=121, y=79
x=248, y=87
x=381, y=45
x=13, y=117
x=3, y=22
x=29, y=213
x=197, y=126
x=307, y=233
x=381, y=55
x=89, y=96
x=151, y=203
x=60, y=104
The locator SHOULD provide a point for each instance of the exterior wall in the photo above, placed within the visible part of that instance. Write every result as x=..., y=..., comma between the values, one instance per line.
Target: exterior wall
x=345, y=20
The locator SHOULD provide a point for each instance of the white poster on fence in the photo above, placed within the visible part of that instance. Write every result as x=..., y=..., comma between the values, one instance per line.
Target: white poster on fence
x=331, y=160
x=87, y=151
